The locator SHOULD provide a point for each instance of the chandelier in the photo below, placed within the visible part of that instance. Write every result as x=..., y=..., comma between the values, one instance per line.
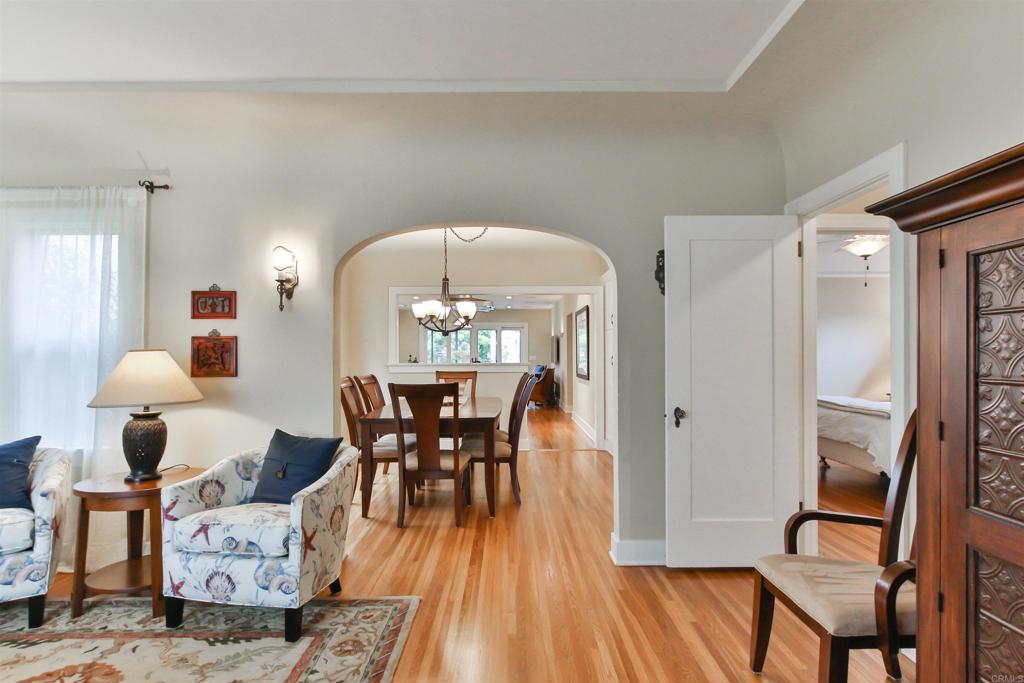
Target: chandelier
x=448, y=313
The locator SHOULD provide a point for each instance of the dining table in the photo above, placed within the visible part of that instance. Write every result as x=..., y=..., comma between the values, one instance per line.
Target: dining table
x=479, y=415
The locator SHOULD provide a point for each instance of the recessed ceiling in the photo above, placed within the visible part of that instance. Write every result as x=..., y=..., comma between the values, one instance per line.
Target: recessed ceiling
x=389, y=46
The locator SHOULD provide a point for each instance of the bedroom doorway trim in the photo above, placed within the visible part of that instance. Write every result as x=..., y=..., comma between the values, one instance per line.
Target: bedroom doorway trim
x=887, y=169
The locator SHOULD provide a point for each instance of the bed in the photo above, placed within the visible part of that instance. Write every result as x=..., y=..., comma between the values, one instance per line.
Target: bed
x=855, y=431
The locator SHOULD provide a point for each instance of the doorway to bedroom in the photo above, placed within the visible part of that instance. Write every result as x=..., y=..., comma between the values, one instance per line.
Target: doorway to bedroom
x=854, y=363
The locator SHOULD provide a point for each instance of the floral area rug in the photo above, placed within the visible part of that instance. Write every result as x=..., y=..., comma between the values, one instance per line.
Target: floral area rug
x=118, y=640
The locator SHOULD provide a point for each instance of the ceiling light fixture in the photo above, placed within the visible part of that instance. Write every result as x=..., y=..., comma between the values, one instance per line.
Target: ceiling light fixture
x=448, y=313
x=865, y=246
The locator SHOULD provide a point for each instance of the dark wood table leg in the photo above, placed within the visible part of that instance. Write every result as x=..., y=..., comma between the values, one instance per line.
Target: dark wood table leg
x=366, y=440
x=81, y=548
x=489, y=468
x=156, y=559
x=136, y=521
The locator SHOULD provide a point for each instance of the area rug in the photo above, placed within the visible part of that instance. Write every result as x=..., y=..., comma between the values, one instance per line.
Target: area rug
x=117, y=640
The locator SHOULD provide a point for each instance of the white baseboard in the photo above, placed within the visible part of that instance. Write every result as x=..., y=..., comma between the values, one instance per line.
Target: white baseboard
x=641, y=553
x=586, y=427
x=567, y=409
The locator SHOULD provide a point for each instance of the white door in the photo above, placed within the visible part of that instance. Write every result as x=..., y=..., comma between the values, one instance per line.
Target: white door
x=733, y=371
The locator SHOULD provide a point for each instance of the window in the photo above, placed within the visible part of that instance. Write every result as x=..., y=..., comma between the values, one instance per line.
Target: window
x=511, y=341
x=495, y=344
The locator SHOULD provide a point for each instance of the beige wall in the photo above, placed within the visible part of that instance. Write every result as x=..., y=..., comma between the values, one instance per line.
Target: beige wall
x=583, y=401
x=853, y=337
x=538, y=320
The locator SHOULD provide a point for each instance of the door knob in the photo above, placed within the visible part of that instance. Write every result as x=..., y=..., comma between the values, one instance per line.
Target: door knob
x=679, y=414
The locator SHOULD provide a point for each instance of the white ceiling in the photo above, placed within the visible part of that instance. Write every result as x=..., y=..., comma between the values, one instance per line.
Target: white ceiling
x=389, y=45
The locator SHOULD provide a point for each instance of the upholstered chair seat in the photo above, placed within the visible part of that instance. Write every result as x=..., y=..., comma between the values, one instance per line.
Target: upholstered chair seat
x=838, y=594
x=16, y=529
x=447, y=461
x=476, y=440
x=30, y=540
x=475, y=449
x=253, y=529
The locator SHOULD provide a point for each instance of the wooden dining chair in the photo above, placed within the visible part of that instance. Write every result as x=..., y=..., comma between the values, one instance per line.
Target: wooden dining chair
x=466, y=380
x=385, y=449
x=424, y=459
x=507, y=452
x=849, y=605
x=373, y=397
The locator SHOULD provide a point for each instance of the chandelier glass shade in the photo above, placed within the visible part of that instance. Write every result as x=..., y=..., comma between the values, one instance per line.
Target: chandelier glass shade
x=447, y=313
x=866, y=245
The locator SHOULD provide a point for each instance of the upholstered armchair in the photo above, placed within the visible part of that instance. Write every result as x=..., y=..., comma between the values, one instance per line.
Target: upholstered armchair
x=30, y=540
x=218, y=547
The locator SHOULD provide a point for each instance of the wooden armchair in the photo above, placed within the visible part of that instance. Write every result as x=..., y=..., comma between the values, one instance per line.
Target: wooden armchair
x=849, y=605
x=544, y=390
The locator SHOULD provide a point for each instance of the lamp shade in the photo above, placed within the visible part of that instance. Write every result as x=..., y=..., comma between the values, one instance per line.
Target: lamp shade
x=866, y=245
x=146, y=377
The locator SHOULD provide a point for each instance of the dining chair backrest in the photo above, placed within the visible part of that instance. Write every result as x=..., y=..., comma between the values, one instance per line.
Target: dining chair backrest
x=371, y=390
x=352, y=406
x=466, y=380
x=425, y=402
x=518, y=412
x=520, y=386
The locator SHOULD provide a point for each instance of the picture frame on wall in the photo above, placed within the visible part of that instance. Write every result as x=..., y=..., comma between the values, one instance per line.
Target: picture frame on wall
x=214, y=303
x=583, y=343
x=215, y=355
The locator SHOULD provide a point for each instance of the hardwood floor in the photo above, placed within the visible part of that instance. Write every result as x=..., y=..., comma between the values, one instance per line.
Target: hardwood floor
x=532, y=595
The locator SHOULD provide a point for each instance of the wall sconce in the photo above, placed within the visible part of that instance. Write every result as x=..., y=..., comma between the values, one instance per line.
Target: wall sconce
x=287, y=274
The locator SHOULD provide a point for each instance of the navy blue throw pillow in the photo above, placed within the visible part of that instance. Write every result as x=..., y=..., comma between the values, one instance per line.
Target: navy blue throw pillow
x=292, y=463
x=15, y=457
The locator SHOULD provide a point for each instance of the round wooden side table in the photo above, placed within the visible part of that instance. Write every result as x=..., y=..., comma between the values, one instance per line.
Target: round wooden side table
x=111, y=493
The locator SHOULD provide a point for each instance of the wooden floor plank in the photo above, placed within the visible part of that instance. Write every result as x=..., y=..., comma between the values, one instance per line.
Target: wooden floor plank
x=532, y=595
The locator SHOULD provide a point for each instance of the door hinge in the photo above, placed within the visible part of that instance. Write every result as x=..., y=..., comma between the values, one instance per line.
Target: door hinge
x=800, y=249
x=942, y=430
x=941, y=601
x=942, y=258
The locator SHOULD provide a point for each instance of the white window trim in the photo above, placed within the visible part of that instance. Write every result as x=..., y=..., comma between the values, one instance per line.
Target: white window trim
x=499, y=326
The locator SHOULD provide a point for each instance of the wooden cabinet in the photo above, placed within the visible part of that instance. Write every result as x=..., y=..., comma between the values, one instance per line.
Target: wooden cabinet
x=970, y=533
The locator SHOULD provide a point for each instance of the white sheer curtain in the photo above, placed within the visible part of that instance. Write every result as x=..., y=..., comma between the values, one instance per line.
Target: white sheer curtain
x=72, y=301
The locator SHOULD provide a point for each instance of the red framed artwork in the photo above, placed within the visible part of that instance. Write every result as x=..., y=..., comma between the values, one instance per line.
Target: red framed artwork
x=214, y=303
x=214, y=356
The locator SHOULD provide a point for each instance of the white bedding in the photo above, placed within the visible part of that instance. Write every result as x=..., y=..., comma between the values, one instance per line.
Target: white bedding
x=860, y=423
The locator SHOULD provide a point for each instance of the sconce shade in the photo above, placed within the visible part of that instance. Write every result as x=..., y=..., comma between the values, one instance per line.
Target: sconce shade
x=146, y=377
x=282, y=258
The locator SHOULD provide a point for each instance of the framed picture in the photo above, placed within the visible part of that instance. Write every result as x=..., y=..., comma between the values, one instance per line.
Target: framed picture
x=214, y=356
x=583, y=343
x=214, y=303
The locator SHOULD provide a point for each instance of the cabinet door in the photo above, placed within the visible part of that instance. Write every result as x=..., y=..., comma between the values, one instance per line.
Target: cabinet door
x=982, y=449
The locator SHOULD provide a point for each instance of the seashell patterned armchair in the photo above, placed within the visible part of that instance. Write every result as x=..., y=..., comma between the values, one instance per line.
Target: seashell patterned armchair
x=218, y=547
x=30, y=540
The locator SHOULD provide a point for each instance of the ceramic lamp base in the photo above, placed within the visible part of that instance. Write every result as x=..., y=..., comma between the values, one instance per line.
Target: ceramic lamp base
x=144, y=439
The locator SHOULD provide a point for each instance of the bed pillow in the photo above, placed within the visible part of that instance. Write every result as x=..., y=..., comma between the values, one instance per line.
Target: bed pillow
x=292, y=463
x=15, y=458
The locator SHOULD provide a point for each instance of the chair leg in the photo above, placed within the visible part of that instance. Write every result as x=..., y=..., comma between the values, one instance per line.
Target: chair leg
x=514, y=471
x=36, y=605
x=410, y=490
x=292, y=623
x=174, y=611
x=336, y=586
x=459, y=504
x=760, y=623
x=833, y=659
x=387, y=465
x=891, y=660
x=467, y=491
x=401, y=506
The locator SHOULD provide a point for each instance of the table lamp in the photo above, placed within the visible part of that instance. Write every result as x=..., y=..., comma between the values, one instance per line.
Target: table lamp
x=145, y=377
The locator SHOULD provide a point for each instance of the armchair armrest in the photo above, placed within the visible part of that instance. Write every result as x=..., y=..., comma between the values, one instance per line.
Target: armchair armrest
x=798, y=519
x=50, y=493
x=319, y=524
x=887, y=588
